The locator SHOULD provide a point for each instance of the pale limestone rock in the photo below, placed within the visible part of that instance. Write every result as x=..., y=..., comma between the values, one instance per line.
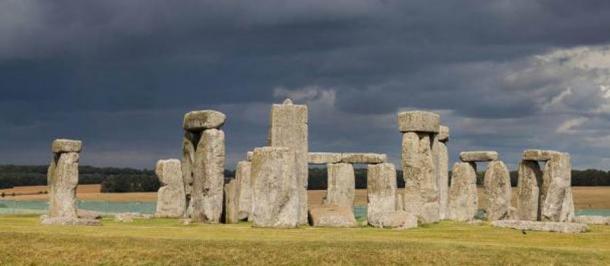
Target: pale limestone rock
x=542, y=226
x=332, y=216
x=66, y=145
x=539, y=155
x=381, y=190
x=62, y=180
x=288, y=128
x=420, y=174
x=497, y=191
x=276, y=188
x=242, y=174
x=204, y=119
x=171, y=198
x=231, y=204
x=341, y=188
x=463, y=201
x=418, y=121
x=600, y=220
x=443, y=179
x=324, y=157
x=528, y=190
x=478, y=156
x=556, y=199
x=443, y=134
x=208, y=177
x=394, y=219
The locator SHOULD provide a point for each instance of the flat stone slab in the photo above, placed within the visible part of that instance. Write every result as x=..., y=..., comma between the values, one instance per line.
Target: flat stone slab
x=365, y=158
x=66, y=145
x=204, y=119
x=45, y=220
x=443, y=133
x=332, y=216
x=393, y=219
x=418, y=121
x=478, y=156
x=586, y=219
x=542, y=226
x=324, y=157
x=539, y=155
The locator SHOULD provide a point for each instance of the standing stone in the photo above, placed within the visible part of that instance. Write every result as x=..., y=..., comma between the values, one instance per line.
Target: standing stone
x=276, y=187
x=208, y=177
x=556, y=202
x=187, y=162
x=463, y=201
x=171, y=198
x=497, y=191
x=420, y=176
x=289, y=129
x=341, y=185
x=530, y=178
x=62, y=179
x=242, y=174
x=382, y=208
x=231, y=204
x=443, y=171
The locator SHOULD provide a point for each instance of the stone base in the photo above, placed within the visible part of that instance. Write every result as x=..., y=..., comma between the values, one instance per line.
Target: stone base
x=542, y=226
x=46, y=220
x=332, y=216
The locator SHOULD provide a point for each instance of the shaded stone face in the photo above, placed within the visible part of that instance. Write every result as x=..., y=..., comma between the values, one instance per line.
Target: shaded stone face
x=332, y=216
x=62, y=179
x=463, y=201
x=202, y=120
x=66, y=145
x=242, y=174
x=171, y=198
x=528, y=190
x=556, y=198
x=231, y=202
x=341, y=185
x=418, y=121
x=276, y=187
x=478, y=156
x=208, y=177
x=498, y=191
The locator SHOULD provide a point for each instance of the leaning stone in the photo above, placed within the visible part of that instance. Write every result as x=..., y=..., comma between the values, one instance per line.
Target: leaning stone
x=324, y=157
x=242, y=174
x=62, y=180
x=288, y=128
x=420, y=174
x=542, y=226
x=171, y=198
x=66, y=145
x=443, y=179
x=528, y=190
x=463, y=201
x=418, y=121
x=381, y=191
x=46, y=220
x=443, y=134
x=341, y=188
x=556, y=194
x=208, y=177
x=585, y=219
x=332, y=216
x=364, y=158
x=539, y=155
x=497, y=191
x=231, y=204
x=393, y=219
x=204, y=119
x=478, y=156
x=276, y=188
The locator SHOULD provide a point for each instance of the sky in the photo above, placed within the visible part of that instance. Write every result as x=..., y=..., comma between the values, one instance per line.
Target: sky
x=505, y=75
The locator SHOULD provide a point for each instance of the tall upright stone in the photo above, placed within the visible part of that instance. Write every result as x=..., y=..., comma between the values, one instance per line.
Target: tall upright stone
x=288, y=128
x=276, y=187
x=242, y=174
x=231, y=202
x=463, y=201
x=382, y=209
x=62, y=179
x=443, y=171
x=498, y=191
x=171, y=197
x=528, y=190
x=189, y=143
x=341, y=189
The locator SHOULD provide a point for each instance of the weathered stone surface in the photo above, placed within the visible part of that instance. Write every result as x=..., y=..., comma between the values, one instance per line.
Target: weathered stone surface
x=418, y=121
x=364, y=158
x=443, y=134
x=538, y=155
x=171, y=198
x=202, y=120
x=276, y=188
x=87, y=214
x=381, y=191
x=443, y=179
x=332, y=216
x=542, y=226
x=478, y=156
x=249, y=156
x=189, y=142
x=231, y=204
x=341, y=188
x=393, y=219
x=528, y=190
x=289, y=129
x=242, y=174
x=62, y=179
x=556, y=195
x=601, y=220
x=324, y=157
x=208, y=177
x=66, y=145
x=128, y=217
x=497, y=191
x=463, y=201
x=421, y=194
x=46, y=220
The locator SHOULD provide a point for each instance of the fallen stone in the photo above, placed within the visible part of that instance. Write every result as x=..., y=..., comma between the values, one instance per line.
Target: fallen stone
x=324, y=157
x=204, y=119
x=46, y=220
x=332, y=216
x=208, y=177
x=88, y=215
x=381, y=191
x=538, y=155
x=231, y=203
x=478, y=156
x=363, y=158
x=341, y=188
x=128, y=217
x=542, y=226
x=419, y=172
x=393, y=219
x=528, y=190
x=463, y=201
x=443, y=134
x=497, y=191
x=66, y=145
x=585, y=219
x=276, y=198
x=556, y=193
x=418, y=121
x=242, y=174
x=171, y=197
x=62, y=180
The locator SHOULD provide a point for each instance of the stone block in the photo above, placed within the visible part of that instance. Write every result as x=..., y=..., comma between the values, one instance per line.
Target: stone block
x=202, y=120
x=478, y=156
x=418, y=121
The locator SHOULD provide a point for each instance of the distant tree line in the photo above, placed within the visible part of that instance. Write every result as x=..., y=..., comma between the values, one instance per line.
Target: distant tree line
x=135, y=180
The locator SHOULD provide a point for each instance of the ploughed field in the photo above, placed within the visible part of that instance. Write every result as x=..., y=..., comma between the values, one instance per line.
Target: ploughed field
x=168, y=242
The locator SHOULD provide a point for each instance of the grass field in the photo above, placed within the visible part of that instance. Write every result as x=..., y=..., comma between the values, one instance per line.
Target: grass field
x=166, y=241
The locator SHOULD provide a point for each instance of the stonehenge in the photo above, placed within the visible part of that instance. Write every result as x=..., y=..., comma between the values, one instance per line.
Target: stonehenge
x=171, y=198
x=203, y=164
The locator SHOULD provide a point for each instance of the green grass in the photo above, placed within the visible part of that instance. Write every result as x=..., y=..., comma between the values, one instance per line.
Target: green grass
x=166, y=241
